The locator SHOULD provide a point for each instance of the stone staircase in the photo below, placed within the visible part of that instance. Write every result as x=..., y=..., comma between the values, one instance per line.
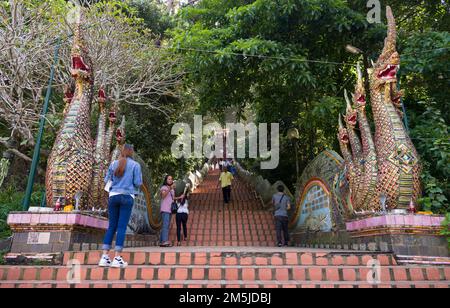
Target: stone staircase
x=231, y=247
x=243, y=222
x=237, y=267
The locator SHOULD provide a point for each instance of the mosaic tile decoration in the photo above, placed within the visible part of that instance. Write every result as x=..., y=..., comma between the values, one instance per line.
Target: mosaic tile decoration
x=63, y=219
x=315, y=210
x=396, y=221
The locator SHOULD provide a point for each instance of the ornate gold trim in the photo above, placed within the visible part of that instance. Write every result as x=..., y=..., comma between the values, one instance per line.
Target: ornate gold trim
x=330, y=155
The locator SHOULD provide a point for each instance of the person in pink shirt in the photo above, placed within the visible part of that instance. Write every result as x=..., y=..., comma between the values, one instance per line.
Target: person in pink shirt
x=167, y=198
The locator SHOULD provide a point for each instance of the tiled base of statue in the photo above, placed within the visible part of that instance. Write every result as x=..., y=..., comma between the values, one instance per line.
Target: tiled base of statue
x=408, y=235
x=58, y=232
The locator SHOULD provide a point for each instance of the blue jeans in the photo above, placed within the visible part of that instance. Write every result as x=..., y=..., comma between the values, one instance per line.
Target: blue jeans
x=282, y=227
x=165, y=227
x=119, y=208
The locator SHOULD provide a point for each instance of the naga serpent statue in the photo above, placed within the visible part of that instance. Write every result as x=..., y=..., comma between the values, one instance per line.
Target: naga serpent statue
x=388, y=163
x=71, y=161
x=374, y=167
x=77, y=163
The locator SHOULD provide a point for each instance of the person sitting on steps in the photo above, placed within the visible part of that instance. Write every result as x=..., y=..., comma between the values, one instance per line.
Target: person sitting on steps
x=282, y=204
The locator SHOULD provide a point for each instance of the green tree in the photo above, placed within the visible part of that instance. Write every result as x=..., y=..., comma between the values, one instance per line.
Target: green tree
x=154, y=14
x=286, y=62
x=285, y=59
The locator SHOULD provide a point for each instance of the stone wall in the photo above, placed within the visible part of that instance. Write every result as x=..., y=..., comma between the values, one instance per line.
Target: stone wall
x=262, y=187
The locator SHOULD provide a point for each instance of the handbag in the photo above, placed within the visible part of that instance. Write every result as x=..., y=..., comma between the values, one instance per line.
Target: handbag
x=108, y=186
x=174, y=206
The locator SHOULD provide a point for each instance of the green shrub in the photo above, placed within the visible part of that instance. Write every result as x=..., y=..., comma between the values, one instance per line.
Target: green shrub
x=446, y=228
x=10, y=201
x=2, y=255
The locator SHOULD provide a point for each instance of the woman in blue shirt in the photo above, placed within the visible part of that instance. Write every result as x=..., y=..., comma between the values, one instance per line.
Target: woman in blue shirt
x=126, y=177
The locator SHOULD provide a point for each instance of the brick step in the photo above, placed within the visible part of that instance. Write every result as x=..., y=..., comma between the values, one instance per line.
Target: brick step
x=241, y=227
x=229, y=243
x=239, y=220
x=221, y=284
x=230, y=231
x=227, y=224
x=212, y=241
x=238, y=196
x=226, y=235
x=230, y=221
x=236, y=256
x=219, y=207
x=230, y=208
x=227, y=273
x=423, y=260
x=227, y=229
x=242, y=223
x=225, y=211
x=215, y=236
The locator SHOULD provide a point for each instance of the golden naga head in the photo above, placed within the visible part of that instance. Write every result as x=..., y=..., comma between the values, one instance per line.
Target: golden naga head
x=120, y=133
x=101, y=99
x=113, y=114
x=343, y=133
x=359, y=98
x=351, y=117
x=388, y=64
x=81, y=63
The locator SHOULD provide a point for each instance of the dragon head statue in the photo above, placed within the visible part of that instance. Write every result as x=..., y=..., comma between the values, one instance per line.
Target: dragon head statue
x=101, y=98
x=360, y=92
x=343, y=133
x=120, y=133
x=351, y=116
x=388, y=64
x=113, y=114
x=81, y=62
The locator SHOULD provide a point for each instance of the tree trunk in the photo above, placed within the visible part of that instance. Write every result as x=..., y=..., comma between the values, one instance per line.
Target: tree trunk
x=4, y=168
x=16, y=170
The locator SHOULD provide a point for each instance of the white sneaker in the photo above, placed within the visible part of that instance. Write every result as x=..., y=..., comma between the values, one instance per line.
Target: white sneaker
x=105, y=262
x=119, y=263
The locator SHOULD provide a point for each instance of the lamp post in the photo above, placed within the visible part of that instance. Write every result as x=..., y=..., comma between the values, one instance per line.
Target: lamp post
x=294, y=135
x=225, y=134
